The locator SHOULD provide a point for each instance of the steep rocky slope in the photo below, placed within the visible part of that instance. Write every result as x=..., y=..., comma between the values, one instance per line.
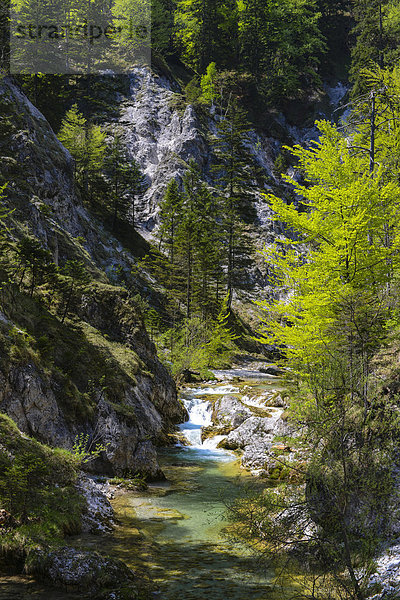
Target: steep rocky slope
x=96, y=374
x=162, y=131
x=119, y=394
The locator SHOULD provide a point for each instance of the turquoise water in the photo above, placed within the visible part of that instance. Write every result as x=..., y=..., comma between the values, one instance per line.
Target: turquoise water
x=174, y=533
x=186, y=517
x=195, y=558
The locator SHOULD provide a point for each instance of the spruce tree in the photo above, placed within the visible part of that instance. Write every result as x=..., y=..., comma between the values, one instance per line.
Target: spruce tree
x=187, y=237
x=125, y=179
x=206, y=31
x=86, y=143
x=280, y=43
x=170, y=214
x=76, y=277
x=34, y=261
x=235, y=174
x=162, y=26
x=187, y=233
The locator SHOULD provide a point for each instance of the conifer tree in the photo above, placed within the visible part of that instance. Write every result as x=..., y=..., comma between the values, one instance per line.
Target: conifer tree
x=206, y=31
x=280, y=40
x=235, y=178
x=126, y=181
x=170, y=215
x=377, y=33
x=162, y=26
x=187, y=235
x=86, y=143
x=32, y=260
x=76, y=277
x=335, y=25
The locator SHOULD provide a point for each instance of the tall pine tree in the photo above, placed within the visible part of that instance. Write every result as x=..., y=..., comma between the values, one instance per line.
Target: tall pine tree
x=235, y=174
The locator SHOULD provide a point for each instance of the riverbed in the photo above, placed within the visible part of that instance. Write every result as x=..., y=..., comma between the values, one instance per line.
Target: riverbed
x=174, y=534
x=185, y=519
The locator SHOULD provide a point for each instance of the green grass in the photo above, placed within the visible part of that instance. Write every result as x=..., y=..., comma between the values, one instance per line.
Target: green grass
x=37, y=491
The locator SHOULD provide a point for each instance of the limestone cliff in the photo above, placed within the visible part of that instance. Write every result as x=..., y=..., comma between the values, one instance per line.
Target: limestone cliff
x=162, y=131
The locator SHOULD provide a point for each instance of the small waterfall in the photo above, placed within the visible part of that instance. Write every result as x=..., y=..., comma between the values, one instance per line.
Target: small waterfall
x=200, y=412
x=199, y=416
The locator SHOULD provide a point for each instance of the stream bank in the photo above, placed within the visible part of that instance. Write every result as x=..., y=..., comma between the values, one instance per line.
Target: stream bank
x=181, y=523
x=173, y=535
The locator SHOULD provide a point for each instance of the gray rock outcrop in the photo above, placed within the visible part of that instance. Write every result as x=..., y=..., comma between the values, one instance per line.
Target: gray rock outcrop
x=255, y=437
x=98, y=516
x=84, y=572
x=228, y=410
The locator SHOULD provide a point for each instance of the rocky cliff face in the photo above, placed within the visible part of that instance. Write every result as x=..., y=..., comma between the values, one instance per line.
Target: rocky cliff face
x=162, y=132
x=102, y=377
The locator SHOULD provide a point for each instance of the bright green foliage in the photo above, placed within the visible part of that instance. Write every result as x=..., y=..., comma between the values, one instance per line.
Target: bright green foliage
x=220, y=347
x=331, y=324
x=342, y=204
x=208, y=84
x=191, y=21
x=132, y=39
x=198, y=344
x=86, y=143
x=85, y=449
x=275, y=40
x=189, y=346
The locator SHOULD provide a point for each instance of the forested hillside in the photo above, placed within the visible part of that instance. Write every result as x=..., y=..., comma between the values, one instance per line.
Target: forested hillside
x=237, y=199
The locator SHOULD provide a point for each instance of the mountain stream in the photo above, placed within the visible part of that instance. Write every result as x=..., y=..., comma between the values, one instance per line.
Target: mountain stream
x=173, y=532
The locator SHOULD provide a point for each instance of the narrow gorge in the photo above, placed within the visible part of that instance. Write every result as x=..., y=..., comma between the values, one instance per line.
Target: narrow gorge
x=199, y=300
